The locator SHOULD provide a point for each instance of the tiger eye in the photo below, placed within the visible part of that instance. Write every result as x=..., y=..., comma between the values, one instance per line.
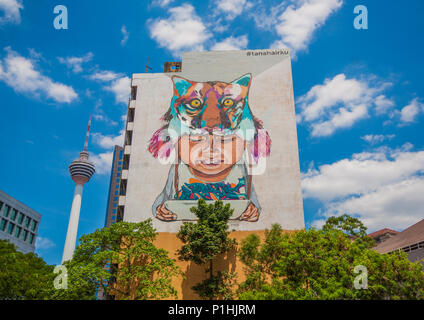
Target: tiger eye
x=195, y=103
x=228, y=102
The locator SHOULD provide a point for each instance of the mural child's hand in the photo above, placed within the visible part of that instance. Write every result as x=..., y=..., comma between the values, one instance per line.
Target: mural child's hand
x=251, y=214
x=164, y=214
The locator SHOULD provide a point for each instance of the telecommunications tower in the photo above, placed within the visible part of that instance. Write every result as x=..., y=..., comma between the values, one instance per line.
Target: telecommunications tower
x=81, y=171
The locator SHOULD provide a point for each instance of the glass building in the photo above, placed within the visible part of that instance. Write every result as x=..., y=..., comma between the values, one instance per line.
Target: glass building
x=18, y=223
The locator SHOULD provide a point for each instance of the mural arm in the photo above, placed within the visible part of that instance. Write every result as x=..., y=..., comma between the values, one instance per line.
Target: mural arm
x=158, y=208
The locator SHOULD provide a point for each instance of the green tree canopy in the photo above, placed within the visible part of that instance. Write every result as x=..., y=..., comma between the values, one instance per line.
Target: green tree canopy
x=23, y=276
x=122, y=261
x=204, y=241
x=320, y=264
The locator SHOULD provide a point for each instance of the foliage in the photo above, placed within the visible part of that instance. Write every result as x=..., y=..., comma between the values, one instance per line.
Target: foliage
x=352, y=227
x=319, y=264
x=23, y=276
x=123, y=261
x=204, y=241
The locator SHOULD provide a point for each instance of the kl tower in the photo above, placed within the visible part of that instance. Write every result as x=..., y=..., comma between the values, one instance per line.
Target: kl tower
x=81, y=171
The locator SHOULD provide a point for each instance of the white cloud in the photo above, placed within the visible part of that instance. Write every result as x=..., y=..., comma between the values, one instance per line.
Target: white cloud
x=338, y=103
x=182, y=30
x=383, y=188
x=119, y=84
x=383, y=104
x=161, y=3
x=42, y=243
x=125, y=35
x=109, y=141
x=99, y=114
x=105, y=75
x=11, y=13
x=377, y=138
x=296, y=25
x=102, y=162
x=411, y=111
x=121, y=89
x=20, y=73
x=75, y=63
x=266, y=18
x=344, y=118
x=232, y=8
x=231, y=43
x=397, y=205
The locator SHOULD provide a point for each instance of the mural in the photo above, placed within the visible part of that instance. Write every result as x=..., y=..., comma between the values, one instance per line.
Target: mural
x=215, y=138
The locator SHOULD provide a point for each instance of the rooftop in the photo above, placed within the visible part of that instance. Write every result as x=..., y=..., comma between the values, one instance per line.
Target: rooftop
x=412, y=235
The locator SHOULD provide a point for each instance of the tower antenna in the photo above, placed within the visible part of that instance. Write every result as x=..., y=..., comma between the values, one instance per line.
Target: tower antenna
x=86, y=137
x=147, y=65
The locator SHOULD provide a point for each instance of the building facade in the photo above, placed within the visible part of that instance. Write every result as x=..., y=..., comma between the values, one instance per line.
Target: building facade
x=410, y=240
x=218, y=125
x=114, y=185
x=18, y=223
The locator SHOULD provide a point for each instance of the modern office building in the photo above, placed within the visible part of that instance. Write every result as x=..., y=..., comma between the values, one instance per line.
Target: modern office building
x=115, y=179
x=218, y=125
x=18, y=223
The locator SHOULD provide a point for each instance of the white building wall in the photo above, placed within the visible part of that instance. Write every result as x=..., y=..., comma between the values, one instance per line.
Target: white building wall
x=270, y=99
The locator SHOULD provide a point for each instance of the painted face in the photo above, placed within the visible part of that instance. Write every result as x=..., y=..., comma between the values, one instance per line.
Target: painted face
x=210, y=154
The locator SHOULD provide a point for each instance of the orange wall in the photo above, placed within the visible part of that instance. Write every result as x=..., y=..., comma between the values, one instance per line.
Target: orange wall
x=195, y=273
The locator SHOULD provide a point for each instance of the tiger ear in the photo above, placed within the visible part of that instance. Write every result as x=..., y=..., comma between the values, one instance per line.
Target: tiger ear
x=244, y=80
x=181, y=85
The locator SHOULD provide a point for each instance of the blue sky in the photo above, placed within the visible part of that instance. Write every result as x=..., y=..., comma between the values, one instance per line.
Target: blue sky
x=359, y=97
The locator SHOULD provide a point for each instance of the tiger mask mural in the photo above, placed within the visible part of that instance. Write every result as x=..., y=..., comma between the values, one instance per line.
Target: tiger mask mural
x=211, y=126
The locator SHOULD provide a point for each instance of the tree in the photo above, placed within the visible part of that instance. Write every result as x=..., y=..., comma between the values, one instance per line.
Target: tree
x=320, y=264
x=123, y=262
x=203, y=242
x=23, y=276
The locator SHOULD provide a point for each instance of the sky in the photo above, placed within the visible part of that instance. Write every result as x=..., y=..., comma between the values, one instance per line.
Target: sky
x=359, y=97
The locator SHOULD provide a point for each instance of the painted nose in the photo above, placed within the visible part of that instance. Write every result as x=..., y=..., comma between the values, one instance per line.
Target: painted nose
x=211, y=117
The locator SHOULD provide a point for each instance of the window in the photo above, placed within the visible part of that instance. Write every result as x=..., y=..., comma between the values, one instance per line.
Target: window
x=31, y=238
x=117, y=180
x=33, y=225
x=6, y=210
x=114, y=205
x=3, y=224
x=24, y=235
x=114, y=211
x=117, y=186
x=13, y=215
x=133, y=92
x=121, y=154
x=126, y=163
x=128, y=138
x=118, y=174
x=10, y=228
x=130, y=117
x=115, y=199
x=21, y=217
x=27, y=221
x=119, y=169
x=116, y=192
x=18, y=232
